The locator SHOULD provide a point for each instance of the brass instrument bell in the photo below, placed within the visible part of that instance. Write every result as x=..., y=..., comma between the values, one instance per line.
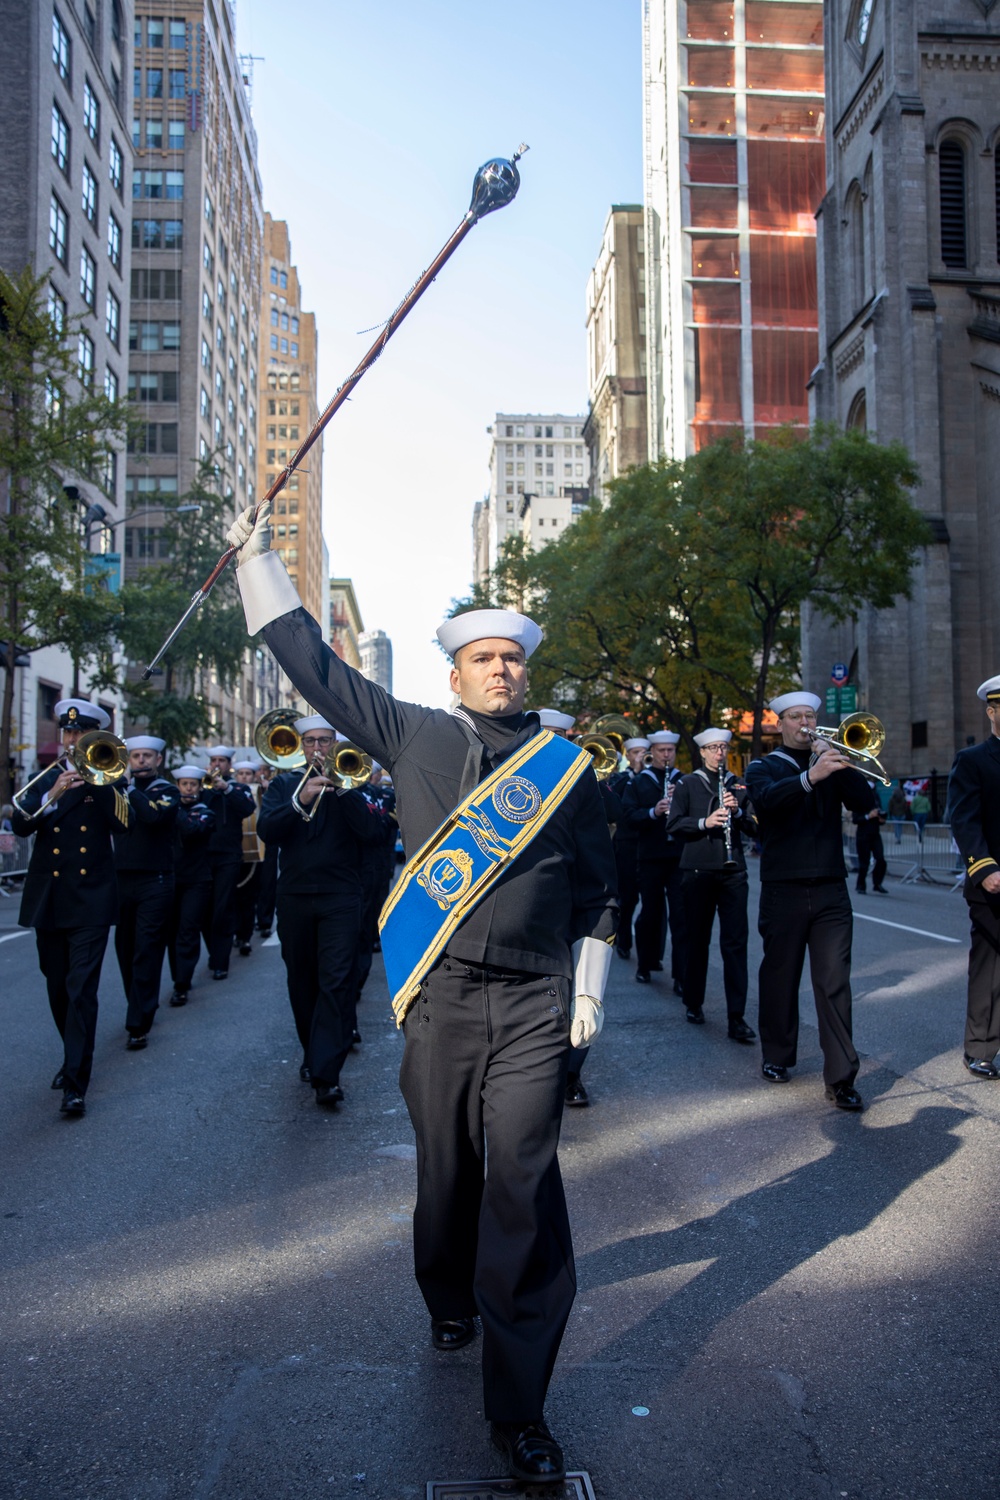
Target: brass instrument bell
x=602, y=751
x=616, y=728
x=277, y=741
x=859, y=738
x=100, y=757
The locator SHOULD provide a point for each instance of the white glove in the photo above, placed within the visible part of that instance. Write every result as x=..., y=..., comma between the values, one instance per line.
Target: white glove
x=249, y=538
x=586, y=1017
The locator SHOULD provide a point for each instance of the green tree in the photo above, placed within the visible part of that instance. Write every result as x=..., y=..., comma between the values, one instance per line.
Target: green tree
x=56, y=427
x=191, y=541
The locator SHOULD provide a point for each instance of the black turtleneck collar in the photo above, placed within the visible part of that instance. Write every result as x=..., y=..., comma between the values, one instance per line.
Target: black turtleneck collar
x=501, y=734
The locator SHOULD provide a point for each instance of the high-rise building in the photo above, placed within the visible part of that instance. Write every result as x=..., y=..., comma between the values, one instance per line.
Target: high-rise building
x=375, y=649
x=196, y=235
x=733, y=157
x=539, y=469
x=65, y=175
x=909, y=242
x=288, y=410
x=346, y=624
x=615, y=429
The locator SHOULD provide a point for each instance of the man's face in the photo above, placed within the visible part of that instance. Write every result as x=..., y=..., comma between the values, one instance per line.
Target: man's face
x=316, y=743
x=144, y=762
x=245, y=778
x=796, y=724
x=188, y=786
x=713, y=756
x=219, y=765
x=636, y=757
x=71, y=738
x=993, y=713
x=663, y=756
x=491, y=677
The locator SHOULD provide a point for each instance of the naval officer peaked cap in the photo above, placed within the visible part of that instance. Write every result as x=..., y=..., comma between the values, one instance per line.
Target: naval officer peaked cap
x=488, y=625
x=794, y=700
x=639, y=744
x=195, y=772
x=551, y=718
x=713, y=737
x=313, y=721
x=77, y=713
x=145, y=742
x=989, y=691
x=664, y=737
x=225, y=750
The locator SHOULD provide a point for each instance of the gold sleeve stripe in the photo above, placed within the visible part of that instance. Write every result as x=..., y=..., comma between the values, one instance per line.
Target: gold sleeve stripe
x=980, y=864
x=121, y=807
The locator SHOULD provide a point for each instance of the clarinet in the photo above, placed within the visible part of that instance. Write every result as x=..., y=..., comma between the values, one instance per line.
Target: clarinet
x=729, y=863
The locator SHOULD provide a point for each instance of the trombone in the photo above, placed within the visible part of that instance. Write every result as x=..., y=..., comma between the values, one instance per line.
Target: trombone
x=859, y=739
x=603, y=753
x=99, y=757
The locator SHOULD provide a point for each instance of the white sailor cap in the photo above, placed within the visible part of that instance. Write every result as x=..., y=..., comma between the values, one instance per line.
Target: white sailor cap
x=196, y=772
x=245, y=765
x=713, y=737
x=487, y=625
x=551, y=718
x=989, y=691
x=226, y=750
x=313, y=721
x=794, y=700
x=145, y=742
x=77, y=713
x=663, y=737
x=638, y=744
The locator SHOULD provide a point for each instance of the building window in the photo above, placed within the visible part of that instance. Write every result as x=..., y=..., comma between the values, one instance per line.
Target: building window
x=60, y=140
x=89, y=195
x=274, y=279
x=57, y=309
x=90, y=26
x=114, y=242
x=178, y=34
x=220, y=385
x=951, y=181
x=295, y=351
x=154, y=133
x=110, y=383
x=112, y=319
x=206, y=355
x=274, y=342
x=175, y=135
x=206, y=305
x=173, y=234
x=154, y=83
x=88, y=277
x=220, y=339
x=85, y=358
x=177, y=80
x=174, y=187
x=209, y=212
x=60, y=48
x=115, y=165
x=91, y=113
x=136, y=128
x=154, y=32
x=136, y=94
x=205, y=407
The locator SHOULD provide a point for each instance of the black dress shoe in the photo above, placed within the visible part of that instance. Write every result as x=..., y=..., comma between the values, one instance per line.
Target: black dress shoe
x=355, y=1038
x=739, y=1031
x=695, y=1015
x=220, y=973
x=531, y=1451
x=881, y=890
x=774, y=1072
x=72, y=1103
x=179, y=996
x=58, y=1081
x=137, y=1043
x=448, y=1334
x=623, y=952
x=845, y=1097
x=576, y=1094
x=678, y=989
x=246, y=949
x=861, y=890
x=329, y=1095
x=305, y=1074
x=977, y=1066
x=265, y=932
x=642, y=976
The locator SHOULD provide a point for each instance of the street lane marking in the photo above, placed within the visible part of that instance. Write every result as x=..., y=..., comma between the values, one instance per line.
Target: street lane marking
x=12, y=935
x=864, y=917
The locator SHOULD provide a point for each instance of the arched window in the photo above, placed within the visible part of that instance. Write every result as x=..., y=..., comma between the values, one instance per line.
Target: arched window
x=856, y=247
x=951, y=185
x=857, y=417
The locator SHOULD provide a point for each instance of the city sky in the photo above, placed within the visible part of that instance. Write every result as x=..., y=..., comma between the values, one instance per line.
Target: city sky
x=371, y=122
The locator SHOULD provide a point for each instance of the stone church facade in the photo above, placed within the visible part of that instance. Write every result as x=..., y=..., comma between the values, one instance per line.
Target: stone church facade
x=909, y=287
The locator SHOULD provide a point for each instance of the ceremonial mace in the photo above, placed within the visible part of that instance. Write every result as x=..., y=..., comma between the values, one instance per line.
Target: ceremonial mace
x=496, y=184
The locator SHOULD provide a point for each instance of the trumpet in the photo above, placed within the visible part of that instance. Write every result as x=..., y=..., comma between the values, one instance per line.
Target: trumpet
x=603, y=752
x=345, y=764
x=859, y=739
x=99, y=757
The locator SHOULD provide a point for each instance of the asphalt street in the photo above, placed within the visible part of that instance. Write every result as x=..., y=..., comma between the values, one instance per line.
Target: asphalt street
x=206, y=1286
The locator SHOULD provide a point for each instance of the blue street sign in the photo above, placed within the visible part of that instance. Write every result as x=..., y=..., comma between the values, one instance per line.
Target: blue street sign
x=839, y=673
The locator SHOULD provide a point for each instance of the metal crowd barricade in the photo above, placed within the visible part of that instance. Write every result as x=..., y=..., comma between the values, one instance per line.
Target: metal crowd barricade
x=906, y=852
x=940, y=854
x=14, y=855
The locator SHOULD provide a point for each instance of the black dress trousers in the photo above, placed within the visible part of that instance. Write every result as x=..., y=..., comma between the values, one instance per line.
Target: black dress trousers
x=247, y=896
x=705, y=893
x=192, y=909
x=71, y=958
x=145, y=903
x=797, y=917
x=220, y=923
x=483, y=1076
x=868, y=844
x=319, y=944
x=627, y=865
x=982, y=1021
x=662, y=892
x=267, y=888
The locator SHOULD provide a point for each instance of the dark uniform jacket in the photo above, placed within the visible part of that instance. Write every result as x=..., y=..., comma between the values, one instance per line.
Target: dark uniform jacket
x=704, y=848
x=801, y=829
x=149, y=847
x=193, y=827
x=974, y=801
x=225, y=847
x=639, y=799
x=71, y=874
x=322, y=854
x=561, y=888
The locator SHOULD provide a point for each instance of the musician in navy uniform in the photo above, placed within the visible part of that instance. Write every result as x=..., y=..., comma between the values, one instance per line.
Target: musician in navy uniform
x=231, y=803
x=974, y=801
x=320, y=830
x=144, y=863
x=626, y=842
x=511, y=984
x=647, y=802
x=804, y=905
x=70, y=896
x=194, y=824
x=711, y=883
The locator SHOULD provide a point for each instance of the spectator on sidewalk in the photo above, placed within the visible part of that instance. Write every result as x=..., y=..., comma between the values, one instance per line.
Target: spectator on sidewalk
x=898, y=810
x=920, y=810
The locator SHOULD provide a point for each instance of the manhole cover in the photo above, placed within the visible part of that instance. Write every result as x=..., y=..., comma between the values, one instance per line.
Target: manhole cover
x=576, y=1486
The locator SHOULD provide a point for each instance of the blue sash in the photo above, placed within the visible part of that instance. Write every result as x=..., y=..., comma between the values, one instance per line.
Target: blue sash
x=467, y=855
